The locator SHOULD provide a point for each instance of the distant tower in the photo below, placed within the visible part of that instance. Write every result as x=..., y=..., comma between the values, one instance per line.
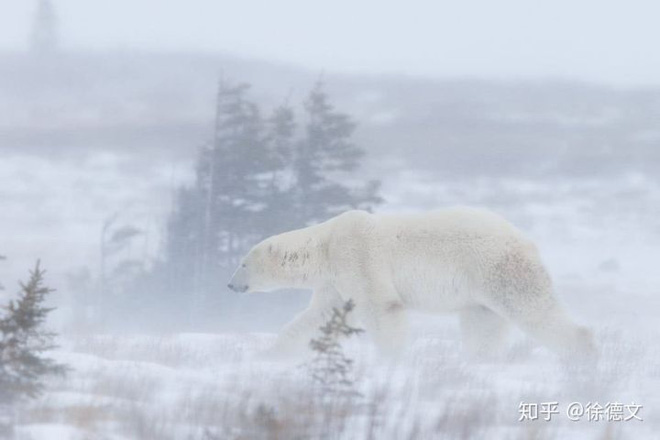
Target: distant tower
x=44, y=38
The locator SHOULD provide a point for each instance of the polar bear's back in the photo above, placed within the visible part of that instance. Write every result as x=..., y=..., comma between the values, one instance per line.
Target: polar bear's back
x=434, y=255
x=459, y=224
x=456, y=224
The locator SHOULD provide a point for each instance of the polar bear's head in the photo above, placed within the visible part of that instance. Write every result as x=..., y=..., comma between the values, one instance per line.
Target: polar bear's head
x=266, y=267
x=292, y=259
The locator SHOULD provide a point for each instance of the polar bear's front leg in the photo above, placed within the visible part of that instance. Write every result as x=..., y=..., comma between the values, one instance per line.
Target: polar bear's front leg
x=387, y=323
x=295, y=336
x=384, y=316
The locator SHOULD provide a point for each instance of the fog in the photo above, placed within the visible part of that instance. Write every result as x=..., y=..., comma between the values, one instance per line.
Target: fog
x=604, y=41
x=139, y=171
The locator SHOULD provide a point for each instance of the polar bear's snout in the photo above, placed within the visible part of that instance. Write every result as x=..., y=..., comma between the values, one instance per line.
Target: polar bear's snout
x=240, y=289
x=239, y=281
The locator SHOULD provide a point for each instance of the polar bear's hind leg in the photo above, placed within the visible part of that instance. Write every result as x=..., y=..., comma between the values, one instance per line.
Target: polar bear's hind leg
x=520, y=290
x=484, y=332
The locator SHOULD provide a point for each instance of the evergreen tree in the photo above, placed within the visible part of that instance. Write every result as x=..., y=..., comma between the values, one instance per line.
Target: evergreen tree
x=325, y=156
x=184, y=237
x=330, y=368
x=234, y=176
x=118, y=270
x=216, y=220
x=256, y=177
x=281, y=129
x=23, y=342
x=44, y=38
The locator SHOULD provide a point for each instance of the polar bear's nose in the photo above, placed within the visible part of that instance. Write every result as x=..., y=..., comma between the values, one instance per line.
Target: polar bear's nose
x=239, y=281
x=239, y=289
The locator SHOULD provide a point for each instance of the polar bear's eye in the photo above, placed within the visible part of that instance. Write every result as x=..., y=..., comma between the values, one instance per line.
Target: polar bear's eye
x=243, y=265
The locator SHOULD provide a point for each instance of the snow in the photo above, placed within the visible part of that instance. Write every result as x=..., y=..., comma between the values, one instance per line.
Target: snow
x=182, y=385
x=51, y=431
x=599, y=238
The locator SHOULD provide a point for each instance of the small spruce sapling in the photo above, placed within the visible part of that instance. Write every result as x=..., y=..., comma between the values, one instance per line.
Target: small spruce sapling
x=23, y=342
x=331, y=369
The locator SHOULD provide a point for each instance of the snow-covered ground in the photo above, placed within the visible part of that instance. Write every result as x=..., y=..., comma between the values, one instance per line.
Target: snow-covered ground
x=599, y=238
x=191, y=386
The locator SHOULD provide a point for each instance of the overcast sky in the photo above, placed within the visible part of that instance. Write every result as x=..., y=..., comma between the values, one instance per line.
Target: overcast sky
x=602, y=40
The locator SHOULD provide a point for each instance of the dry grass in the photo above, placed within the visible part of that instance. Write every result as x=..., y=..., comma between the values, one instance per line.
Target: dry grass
x=184, y=387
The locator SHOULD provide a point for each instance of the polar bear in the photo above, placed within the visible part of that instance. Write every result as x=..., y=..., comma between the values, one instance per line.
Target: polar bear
x=463, y=260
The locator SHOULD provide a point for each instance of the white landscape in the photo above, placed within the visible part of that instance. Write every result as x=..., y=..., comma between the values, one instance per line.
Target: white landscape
x=146, y=147
x=600, y=253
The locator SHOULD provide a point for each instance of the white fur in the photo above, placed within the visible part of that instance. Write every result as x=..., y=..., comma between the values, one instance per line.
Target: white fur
x=457, y=260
